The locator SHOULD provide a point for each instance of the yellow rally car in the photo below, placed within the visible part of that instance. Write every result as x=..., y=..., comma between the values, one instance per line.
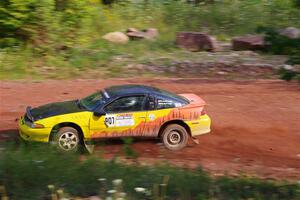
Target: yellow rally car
x=118, y=111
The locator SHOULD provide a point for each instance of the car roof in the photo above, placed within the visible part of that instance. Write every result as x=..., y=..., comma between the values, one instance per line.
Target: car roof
x=125, y=90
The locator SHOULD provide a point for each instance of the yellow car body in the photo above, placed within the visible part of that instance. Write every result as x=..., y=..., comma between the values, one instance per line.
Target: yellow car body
x=144, y=123
x=92, y=130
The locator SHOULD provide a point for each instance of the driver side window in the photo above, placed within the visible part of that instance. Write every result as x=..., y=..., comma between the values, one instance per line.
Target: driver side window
x=126, y=104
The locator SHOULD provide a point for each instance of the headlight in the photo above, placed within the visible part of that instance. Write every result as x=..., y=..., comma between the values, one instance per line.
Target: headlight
x=33, y=125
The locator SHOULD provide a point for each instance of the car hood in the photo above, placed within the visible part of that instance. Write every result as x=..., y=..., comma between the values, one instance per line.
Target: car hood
x=58, y=108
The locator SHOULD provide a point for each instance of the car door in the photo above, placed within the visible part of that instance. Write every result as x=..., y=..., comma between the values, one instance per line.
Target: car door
x=124, y=116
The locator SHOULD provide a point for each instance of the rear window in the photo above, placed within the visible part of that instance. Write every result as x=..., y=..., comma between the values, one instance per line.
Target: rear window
x=173, y=96
x=164, y=102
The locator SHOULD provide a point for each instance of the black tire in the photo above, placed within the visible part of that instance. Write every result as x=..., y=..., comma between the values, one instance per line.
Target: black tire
x=174, y=137
x=67, y=139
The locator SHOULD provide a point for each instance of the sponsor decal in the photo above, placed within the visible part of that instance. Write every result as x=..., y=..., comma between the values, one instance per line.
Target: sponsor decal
x=119, y=120
x=164, y=101
x=152, y=117
x=178, y=105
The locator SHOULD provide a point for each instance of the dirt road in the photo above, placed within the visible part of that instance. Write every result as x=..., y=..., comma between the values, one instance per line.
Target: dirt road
x=256, y=124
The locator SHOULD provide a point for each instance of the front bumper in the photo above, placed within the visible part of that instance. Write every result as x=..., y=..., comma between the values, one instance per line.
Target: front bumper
x=33, y=134
x=200, y=126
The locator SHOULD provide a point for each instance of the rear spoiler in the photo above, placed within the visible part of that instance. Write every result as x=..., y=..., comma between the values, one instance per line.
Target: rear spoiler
x=28, y=113
x=194, y=99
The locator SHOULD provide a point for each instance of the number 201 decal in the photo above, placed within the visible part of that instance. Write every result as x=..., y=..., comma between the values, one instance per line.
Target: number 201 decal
x=119, y=120
x=110, y=120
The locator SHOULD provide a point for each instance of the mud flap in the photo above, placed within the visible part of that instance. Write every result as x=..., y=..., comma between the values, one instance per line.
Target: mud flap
x=89, y=147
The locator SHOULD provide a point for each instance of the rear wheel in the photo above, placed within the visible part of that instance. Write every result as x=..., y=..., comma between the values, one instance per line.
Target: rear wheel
x=67, y=139
x=175, y=137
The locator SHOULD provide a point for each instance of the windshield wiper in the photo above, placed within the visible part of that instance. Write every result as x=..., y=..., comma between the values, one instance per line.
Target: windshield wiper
x=80, y=104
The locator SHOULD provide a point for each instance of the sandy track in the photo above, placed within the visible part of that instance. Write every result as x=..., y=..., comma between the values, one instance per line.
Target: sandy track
x=256, y=124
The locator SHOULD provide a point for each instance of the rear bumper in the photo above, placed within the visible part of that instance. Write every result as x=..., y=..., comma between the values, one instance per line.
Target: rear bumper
x=33, y=134
x=200, y=126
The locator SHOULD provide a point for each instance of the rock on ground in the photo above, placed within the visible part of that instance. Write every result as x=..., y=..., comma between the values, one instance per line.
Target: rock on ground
x=195, y=41
x=290, y=32
x=248, y=42
x=116, y=37
x=150, y=33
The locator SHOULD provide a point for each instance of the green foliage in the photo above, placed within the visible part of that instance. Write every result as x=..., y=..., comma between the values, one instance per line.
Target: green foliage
x=231, y=17
x=289, y=75
x=110, y=2
x=27, y=20
x=44, y=24
x=294, y=58
x=279, y=44
x=27, y=170
x=244, y=188
x=63, y=24
x=13, y=15
x=297, y=3
x=128, y=150
x=68, y=33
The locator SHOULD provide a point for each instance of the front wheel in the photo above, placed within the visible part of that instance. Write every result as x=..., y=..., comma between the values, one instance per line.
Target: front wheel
x=67, y=139
x=175, y=137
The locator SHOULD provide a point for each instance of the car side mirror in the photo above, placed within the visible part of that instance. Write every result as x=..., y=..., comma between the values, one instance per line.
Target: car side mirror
x=99, y=113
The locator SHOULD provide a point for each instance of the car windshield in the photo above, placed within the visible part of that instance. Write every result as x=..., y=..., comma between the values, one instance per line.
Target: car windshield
x=92, y=101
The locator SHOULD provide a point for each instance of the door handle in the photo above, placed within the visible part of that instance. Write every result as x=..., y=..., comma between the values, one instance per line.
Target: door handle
x=142, y=117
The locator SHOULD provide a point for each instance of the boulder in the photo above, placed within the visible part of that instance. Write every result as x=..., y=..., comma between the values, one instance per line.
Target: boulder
x=248, y=42
x=132, y=30
x=134, y=34
x=150, y=33
x=195, y=41
x=290, y=32
x=116, y=37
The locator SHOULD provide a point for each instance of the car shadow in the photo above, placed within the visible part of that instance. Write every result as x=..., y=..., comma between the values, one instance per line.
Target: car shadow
x=13, y=135
x=121, y=141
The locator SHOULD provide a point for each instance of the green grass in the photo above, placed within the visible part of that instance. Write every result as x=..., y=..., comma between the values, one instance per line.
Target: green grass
x=88, y=51
x=99, y=56
x=27, y=170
